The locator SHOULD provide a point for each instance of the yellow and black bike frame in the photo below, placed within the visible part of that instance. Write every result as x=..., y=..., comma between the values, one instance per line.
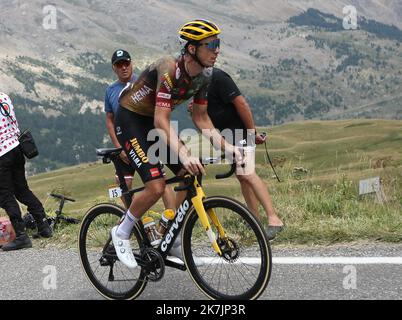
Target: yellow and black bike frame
x=197, y=200
x=195, y=196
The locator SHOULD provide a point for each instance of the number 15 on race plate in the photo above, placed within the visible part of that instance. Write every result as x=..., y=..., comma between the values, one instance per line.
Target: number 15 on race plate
x=115, y=192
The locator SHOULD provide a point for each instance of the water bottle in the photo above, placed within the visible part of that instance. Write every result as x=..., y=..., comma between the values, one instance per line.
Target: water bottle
x=167, y=216
x=150, y=230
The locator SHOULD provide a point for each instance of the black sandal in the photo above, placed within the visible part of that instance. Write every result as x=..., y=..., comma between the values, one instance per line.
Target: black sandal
x=272, y=231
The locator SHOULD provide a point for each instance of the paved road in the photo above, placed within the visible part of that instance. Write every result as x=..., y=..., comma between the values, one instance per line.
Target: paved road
x=23, y=274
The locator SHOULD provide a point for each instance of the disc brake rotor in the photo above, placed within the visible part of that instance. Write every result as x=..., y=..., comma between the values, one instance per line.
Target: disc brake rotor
x=230, y=249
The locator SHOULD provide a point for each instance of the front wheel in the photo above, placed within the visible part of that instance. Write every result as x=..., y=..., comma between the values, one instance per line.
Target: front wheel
x=106, y=273
x=243, y=271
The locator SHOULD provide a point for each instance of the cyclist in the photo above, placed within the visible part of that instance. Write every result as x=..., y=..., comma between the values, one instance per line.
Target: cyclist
x=148, y=103
x=122, y=67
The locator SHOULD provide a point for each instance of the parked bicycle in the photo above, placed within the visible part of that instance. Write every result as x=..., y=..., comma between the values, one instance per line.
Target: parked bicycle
x=219, y=230
x=53, y=220
x=59, y=212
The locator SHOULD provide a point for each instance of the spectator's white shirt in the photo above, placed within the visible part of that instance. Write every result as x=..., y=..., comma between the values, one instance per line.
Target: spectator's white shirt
x=9, y=130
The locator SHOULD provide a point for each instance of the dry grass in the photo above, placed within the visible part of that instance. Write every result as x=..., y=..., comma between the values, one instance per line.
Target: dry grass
x=318, y=206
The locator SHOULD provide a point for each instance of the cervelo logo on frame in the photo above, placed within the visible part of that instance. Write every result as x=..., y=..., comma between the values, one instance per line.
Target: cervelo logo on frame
x=181, y=212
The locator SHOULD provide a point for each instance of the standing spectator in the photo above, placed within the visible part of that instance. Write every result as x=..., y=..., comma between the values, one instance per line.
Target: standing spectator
x=122, y=67
x=229, y=110
x=13, y=184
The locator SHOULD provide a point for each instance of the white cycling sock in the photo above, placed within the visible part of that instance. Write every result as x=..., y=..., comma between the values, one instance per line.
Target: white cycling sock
x=125, y=227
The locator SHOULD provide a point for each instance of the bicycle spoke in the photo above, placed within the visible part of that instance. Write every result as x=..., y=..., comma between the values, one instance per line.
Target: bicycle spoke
x=104, y=270
x=241, y=269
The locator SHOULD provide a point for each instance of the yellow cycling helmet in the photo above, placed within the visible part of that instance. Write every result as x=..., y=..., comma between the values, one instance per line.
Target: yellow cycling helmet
x=197, y=30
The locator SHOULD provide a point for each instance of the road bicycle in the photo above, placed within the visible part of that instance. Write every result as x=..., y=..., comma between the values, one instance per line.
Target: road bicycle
x=59, y=212
x=53, y=221
x=219, y=230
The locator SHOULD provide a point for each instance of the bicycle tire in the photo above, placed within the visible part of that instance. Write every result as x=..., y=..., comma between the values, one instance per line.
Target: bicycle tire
x=104, y=290
x=243, y=222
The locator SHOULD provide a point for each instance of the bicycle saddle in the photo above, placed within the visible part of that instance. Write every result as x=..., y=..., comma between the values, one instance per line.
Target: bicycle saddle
x=108, y=151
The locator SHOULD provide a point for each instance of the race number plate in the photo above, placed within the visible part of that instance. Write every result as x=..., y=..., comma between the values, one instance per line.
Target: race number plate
x=115, y=192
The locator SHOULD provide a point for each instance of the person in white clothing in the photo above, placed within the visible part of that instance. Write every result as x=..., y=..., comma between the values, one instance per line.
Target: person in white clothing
x=13, y=184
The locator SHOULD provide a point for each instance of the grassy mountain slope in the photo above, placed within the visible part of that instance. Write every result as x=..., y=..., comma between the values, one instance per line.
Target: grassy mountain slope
x=320, y=163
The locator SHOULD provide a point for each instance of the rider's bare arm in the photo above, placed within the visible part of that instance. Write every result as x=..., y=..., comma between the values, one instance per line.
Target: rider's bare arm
x=244, y=112
x=112, y=134
x=162, y=122
x=203, y=122
x=110, y=129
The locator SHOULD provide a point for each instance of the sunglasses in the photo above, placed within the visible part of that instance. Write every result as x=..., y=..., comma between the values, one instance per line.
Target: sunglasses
x=213, y=45
x=121, y=64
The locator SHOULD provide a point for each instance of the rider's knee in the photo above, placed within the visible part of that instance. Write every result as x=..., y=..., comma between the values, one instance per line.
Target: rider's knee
x=156, y=188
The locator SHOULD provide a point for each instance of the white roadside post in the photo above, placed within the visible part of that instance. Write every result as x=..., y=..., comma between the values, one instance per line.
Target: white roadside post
x=372, y=185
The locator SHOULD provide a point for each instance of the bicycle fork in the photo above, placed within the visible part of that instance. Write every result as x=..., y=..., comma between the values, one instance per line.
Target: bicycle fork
x=202, y=214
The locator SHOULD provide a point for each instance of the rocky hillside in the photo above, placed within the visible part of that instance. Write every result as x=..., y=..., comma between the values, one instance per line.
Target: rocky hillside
x=292, y=59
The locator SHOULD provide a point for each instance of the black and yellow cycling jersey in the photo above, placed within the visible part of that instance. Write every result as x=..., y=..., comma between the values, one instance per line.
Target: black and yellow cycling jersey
x=165, y=84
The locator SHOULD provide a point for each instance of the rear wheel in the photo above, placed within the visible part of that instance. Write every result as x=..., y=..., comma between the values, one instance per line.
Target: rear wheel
x=243, y=271
x=106, y=273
